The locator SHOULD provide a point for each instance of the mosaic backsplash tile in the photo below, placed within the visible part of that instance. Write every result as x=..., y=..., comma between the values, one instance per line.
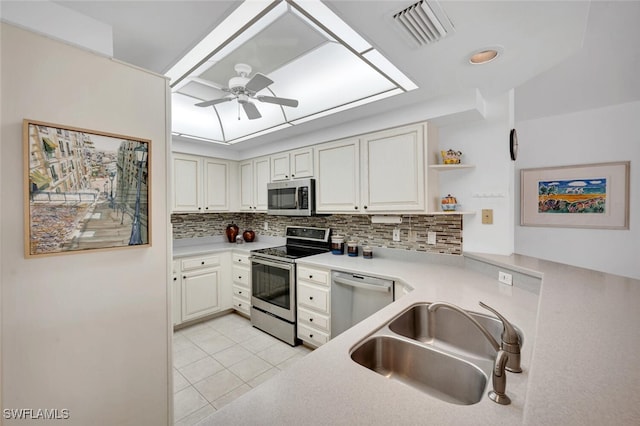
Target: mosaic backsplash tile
x=413, y=229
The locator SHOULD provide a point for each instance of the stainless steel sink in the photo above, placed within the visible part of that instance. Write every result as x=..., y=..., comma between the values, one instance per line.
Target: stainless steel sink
x=443, y=376
x=451, y=330
x=450, y=359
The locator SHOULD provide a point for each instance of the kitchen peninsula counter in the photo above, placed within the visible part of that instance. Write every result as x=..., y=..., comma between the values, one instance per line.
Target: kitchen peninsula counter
x=581, y=339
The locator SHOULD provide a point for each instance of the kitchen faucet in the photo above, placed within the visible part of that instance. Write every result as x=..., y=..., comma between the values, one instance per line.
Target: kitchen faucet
x=509, y=346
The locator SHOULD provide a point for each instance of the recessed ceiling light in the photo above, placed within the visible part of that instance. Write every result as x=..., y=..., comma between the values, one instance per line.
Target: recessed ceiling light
x=484, y=56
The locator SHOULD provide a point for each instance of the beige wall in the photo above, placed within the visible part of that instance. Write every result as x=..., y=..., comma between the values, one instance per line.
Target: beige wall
x=86, y=332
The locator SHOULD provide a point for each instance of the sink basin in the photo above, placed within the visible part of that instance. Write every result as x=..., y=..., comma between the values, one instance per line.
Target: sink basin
x=446, y=377
x=452, y=330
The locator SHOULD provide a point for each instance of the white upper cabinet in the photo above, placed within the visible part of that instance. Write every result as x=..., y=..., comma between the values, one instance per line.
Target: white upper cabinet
x=292, y=165
x=200, y=184
x=186, y=183
x=338, y=176
x=393, y=170
x=254, y=177
x=379, y=172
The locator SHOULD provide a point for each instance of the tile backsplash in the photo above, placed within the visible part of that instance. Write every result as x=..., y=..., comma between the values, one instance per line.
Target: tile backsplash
x=448, y=228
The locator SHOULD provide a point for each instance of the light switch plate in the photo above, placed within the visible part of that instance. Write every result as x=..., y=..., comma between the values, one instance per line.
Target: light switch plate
x=431, y=238
x=487, y=216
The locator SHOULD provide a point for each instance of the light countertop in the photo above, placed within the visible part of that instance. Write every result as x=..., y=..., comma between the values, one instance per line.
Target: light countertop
x=580, y=356
x=204, y=245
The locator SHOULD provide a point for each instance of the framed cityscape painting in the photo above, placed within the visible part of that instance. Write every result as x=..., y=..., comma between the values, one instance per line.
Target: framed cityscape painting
x=84, y=190
x=581, y=196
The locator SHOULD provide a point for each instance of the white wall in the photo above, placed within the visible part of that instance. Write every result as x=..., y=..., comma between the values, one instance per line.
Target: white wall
x=598, y=135
x=88, y=331
x=490, y=184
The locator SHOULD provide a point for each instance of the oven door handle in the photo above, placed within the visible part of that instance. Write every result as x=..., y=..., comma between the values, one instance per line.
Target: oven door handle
x=287, y=266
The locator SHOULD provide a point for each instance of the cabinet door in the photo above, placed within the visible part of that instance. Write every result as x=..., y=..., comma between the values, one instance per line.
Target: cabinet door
x=338, y=177
x=186, y=183
x=280, y=167
x=262, y=176
x=302, y=163
x=246, y=186
x=393, y=170
x=200, y=293
x=216, y=185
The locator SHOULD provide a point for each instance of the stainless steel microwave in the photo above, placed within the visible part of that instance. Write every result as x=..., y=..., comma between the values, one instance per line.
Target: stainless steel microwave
x=292, y=198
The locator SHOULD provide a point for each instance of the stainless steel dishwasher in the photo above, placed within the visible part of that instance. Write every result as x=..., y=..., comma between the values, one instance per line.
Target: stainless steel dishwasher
x=354, y=297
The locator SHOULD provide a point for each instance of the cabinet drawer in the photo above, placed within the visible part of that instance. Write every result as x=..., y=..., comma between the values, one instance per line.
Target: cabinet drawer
x=199, y=262
x=314, y=275
x=241, y=305
x=241, y=275
x=316, y=320
x=241, y=259
x=313, y=297
x=241, y=292
x=312, y=336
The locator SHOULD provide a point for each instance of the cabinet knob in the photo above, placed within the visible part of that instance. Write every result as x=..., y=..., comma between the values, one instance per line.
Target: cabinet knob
x=293, y=175
x=311, y=336
x=239, y=305
x=287, y=176
x=310, y=277
x=199, y=208
x=175, y=278
x=239, y=292
x=239, y=277
x=207, y=208
x=310, y=297
x=184, y=276
x=355, y=207
x=365, y=207
x=310, y=319
x=203, y=262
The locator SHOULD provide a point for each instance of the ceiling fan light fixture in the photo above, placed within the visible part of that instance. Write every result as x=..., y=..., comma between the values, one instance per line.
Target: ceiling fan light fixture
x=484, y=56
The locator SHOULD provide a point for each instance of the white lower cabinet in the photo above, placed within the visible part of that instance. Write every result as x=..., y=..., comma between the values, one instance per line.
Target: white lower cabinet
x=201, y=286
x=241, y=278
x=314, y=305
x=176, y=298
x=200, y=293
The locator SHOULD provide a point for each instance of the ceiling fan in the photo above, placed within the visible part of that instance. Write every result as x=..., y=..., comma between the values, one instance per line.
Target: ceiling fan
x=244, y=89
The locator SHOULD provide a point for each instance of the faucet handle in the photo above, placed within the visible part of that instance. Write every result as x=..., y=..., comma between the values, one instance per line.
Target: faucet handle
x=510, y=341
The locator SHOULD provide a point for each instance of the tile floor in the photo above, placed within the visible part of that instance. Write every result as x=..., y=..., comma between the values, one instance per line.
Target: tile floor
x=217, y=361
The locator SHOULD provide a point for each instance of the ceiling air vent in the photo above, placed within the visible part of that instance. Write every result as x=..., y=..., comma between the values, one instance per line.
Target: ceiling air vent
x=425, y=22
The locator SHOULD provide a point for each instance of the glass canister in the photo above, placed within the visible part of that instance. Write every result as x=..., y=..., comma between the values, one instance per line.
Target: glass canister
x=337, y=244
x=352, y=248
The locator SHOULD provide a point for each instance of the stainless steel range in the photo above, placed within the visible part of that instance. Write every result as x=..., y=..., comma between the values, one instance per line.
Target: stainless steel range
x=273, y=280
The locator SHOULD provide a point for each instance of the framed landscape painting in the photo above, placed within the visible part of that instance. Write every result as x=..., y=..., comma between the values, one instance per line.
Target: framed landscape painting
x=84, y=190
x=581, y=196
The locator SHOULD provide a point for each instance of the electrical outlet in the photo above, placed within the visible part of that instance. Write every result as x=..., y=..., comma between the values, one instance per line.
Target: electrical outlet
x=265, y=226
x=396, y=234
x=431, y=238
x=505, y=278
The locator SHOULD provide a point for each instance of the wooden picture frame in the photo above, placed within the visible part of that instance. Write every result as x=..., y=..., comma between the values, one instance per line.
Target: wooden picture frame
x=84, y=190
x=580, y=196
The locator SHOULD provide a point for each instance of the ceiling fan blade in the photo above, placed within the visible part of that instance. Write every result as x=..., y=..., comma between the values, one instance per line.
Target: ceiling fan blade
x=214, y=102
x=251, y=111
x=279, y=101
x=258, y=82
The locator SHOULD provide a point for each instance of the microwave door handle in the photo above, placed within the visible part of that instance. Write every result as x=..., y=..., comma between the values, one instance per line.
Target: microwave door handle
x=297, y=192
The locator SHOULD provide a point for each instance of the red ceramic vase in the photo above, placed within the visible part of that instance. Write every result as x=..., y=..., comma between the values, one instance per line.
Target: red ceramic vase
x=249, y=236
x=232, y=232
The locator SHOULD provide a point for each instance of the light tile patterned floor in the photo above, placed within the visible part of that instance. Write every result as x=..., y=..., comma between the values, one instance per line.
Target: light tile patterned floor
x=217, y=361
